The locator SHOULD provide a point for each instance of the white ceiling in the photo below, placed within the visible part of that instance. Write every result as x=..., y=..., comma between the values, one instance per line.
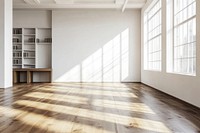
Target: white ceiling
x=64, y=4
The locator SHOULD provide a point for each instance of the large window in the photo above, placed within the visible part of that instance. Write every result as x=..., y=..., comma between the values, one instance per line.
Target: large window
x=184, y=36
x=152, y=37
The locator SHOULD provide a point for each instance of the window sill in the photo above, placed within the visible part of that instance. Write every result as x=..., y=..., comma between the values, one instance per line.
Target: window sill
x=182, y=74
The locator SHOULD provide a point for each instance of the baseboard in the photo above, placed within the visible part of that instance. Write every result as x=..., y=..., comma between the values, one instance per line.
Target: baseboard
x=178, y=99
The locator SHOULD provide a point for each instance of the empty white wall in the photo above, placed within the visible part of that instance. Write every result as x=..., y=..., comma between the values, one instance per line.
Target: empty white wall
x=96, y=45
x=31, y=18
x=183, y=87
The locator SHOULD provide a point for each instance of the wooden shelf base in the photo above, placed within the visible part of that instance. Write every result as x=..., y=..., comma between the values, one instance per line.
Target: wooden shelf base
x=29, y=73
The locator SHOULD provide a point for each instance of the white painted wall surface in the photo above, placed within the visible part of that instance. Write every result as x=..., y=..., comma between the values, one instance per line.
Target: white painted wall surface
x=96, y=45
x=186, y=88
x=6, y=43
x=31, y=18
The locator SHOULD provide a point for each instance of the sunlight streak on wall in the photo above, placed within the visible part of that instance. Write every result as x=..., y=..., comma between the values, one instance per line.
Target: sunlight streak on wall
x=91, y=68
x=71, y=76
x=111, y=60
x=110, y=63
x=125, y=54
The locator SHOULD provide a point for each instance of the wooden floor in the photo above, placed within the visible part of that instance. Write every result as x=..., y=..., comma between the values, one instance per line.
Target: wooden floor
x=94, y=108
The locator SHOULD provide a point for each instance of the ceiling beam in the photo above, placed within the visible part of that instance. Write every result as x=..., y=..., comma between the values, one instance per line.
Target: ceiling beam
x=120, y=2
x=28, y=2
x=37, y=1
x=64, y=1
x=69, y=6
x=124, y=6
x=58, y=5
x=55, y=1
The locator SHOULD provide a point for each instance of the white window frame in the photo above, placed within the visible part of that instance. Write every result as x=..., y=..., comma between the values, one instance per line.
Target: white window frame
x=172, y=48
x=147, y=40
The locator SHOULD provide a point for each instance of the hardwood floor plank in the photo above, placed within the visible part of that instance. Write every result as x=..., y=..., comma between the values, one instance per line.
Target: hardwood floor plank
x=94, y=108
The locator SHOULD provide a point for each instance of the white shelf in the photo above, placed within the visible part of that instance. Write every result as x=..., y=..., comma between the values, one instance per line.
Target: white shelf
x=17, y=50
x=29, y=43
x=29, y=34
x=34, y=54
x=17, y=43
x=29, y=57
x=17, y=35
x=29, y=50
x=44, y=43
x=29, y=64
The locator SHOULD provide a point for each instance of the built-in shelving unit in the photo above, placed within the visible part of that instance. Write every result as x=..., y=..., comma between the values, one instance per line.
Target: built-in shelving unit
x=27, y=49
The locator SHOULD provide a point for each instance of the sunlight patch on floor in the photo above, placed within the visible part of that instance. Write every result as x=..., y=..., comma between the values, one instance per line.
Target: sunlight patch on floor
x=137, y=107
x=94, y=92
x=102, y=86
x=58, y=97
x=45, y=123
x=102, y=116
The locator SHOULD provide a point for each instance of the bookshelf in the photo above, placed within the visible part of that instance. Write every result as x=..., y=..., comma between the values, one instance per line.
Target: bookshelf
x=31, y=46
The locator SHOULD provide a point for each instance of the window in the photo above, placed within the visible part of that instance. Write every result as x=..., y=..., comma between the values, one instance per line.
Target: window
x=183, y=47
x=152, y=37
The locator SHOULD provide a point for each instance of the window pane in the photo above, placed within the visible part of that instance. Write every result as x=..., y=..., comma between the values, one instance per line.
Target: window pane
x=185, y=36
x=153, y=45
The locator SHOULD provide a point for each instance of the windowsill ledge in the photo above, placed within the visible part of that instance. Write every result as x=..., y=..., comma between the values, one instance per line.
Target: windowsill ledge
x=182, y=74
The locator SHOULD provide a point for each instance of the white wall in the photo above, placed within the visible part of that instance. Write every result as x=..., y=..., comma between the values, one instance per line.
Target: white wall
x=180, y=86
x=31, y=18
x=5, y=43
x=96, y=45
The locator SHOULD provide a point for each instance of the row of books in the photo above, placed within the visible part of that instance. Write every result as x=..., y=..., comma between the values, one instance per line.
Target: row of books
x=45, y=40
x=17, y=40
x=17, y=61
x=29, y=54
x=17, y=31
x=31, y=40
x=17, y=54
x=17, y=47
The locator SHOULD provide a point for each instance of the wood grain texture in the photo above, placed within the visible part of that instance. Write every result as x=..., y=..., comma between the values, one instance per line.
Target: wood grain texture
x=94, y=108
